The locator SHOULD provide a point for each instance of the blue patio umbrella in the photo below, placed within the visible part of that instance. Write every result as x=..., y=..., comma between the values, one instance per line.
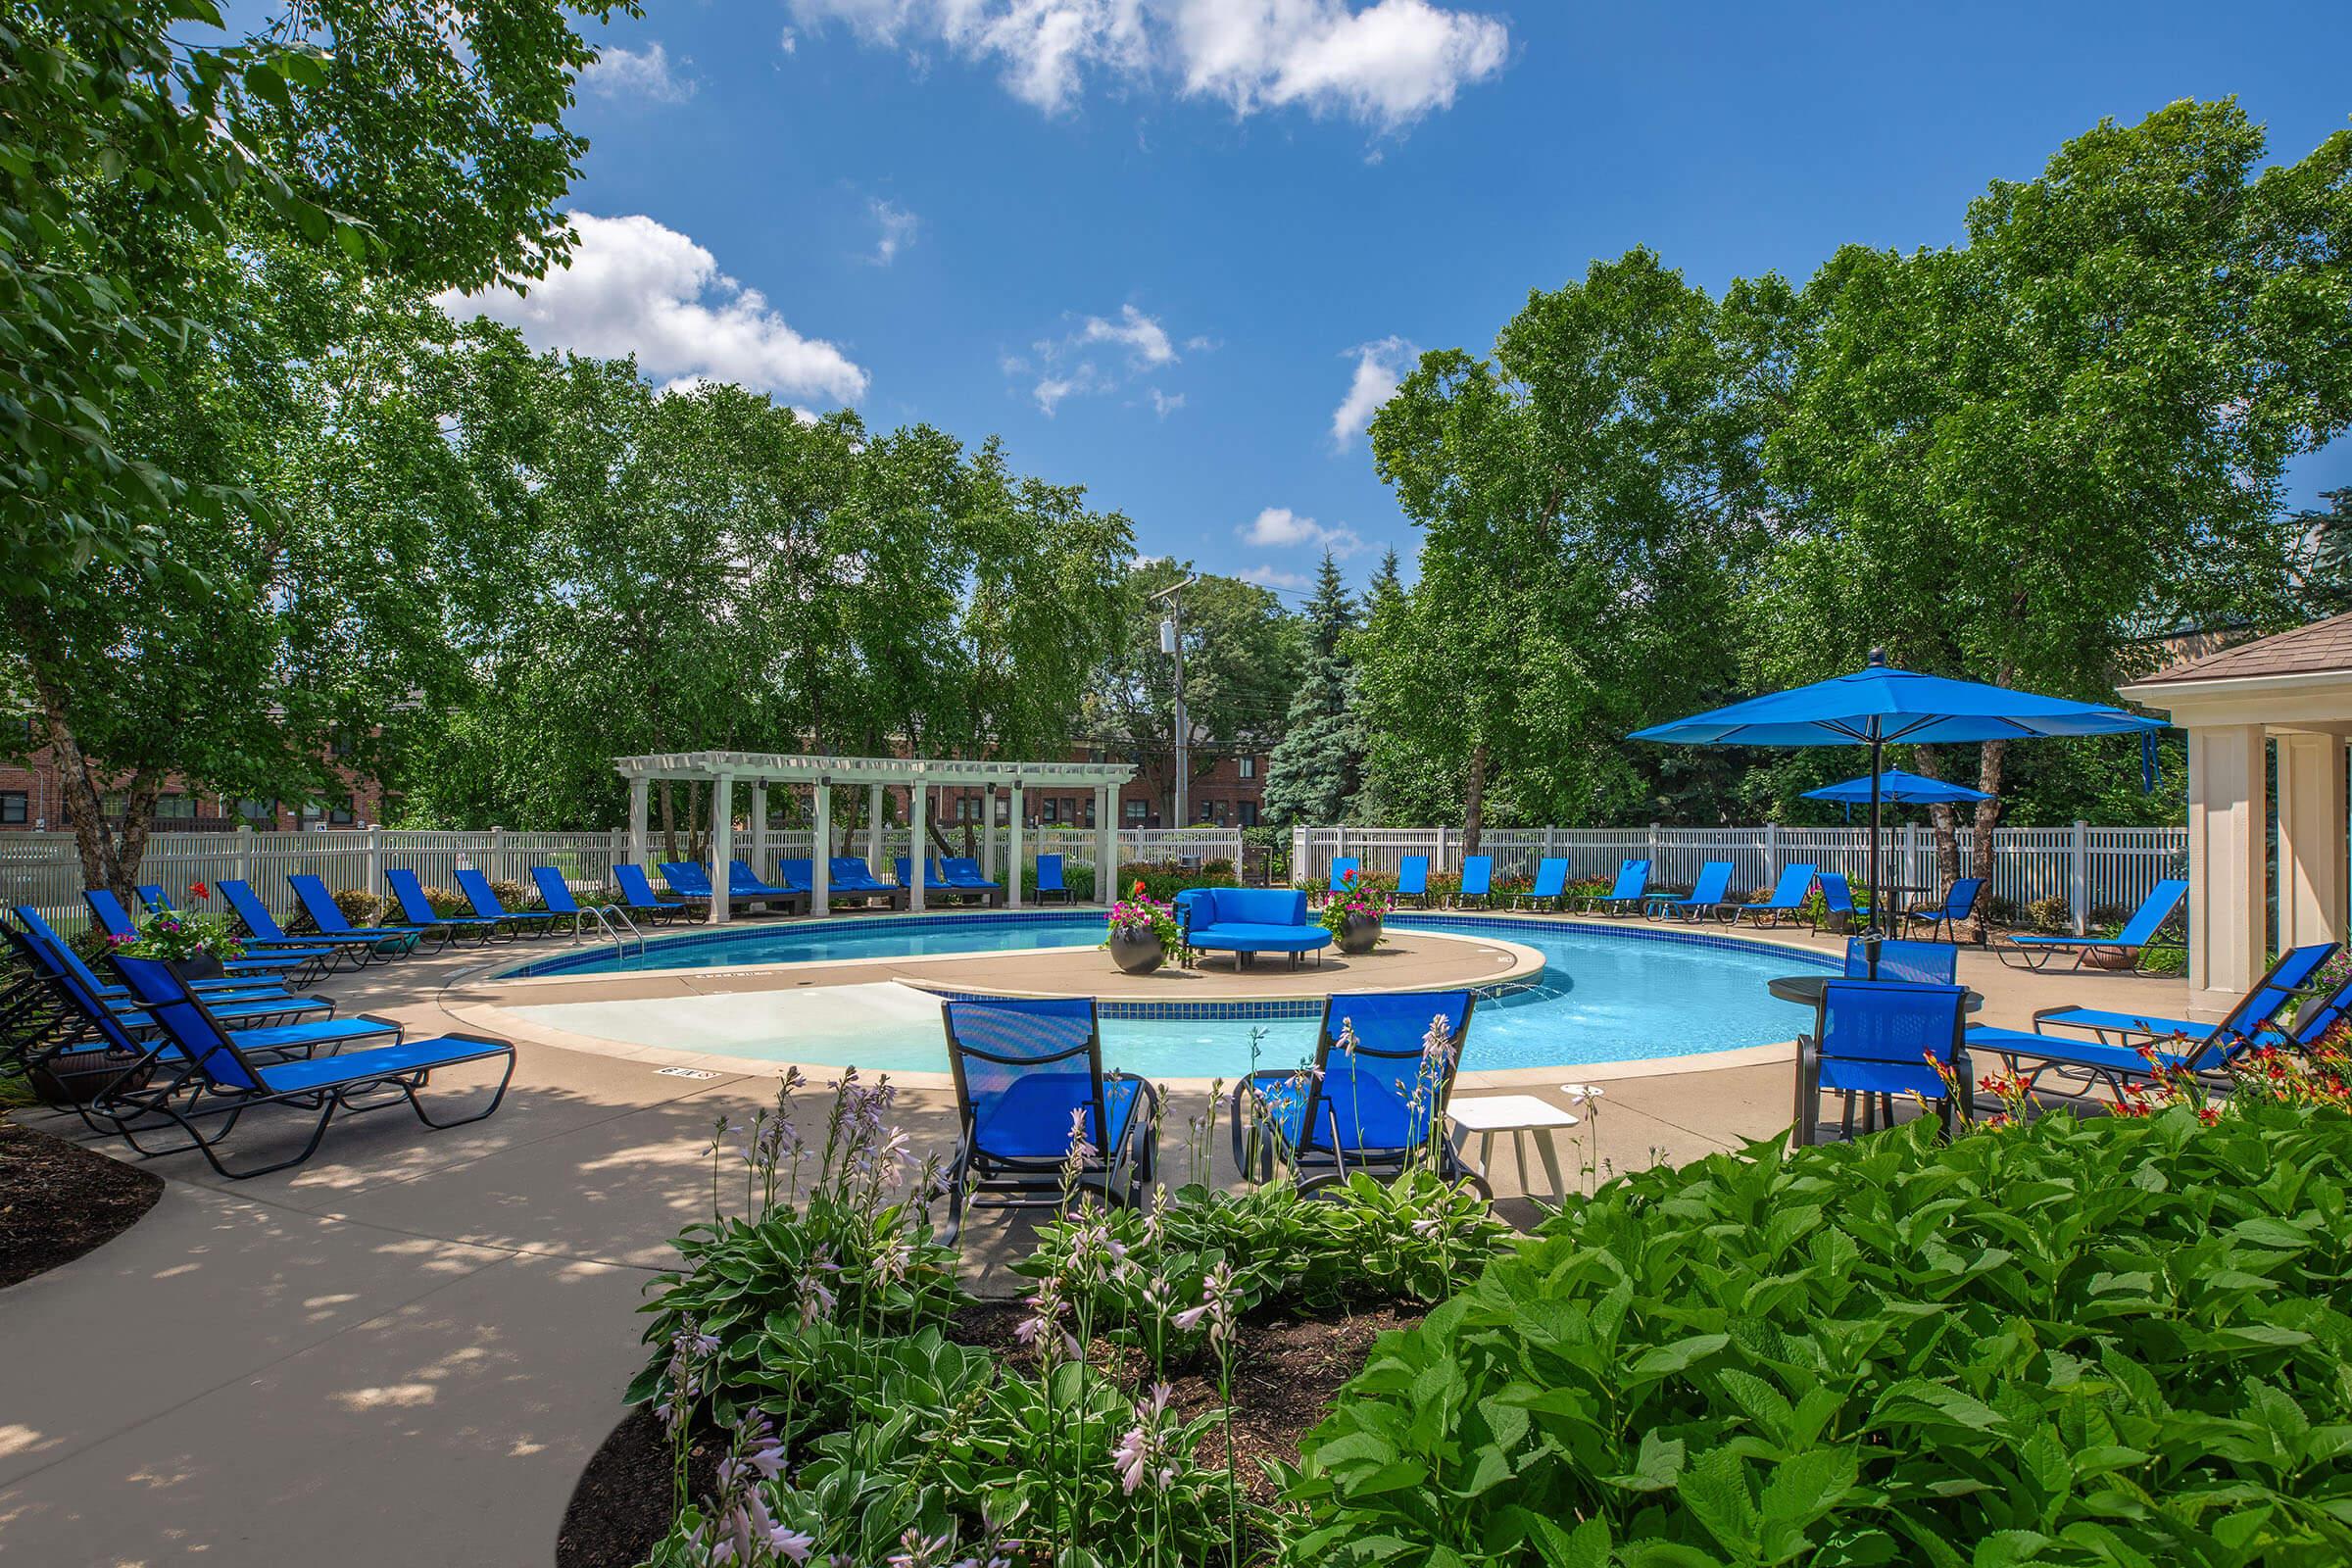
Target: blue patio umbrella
x=1877, y=707
x=1903, y=789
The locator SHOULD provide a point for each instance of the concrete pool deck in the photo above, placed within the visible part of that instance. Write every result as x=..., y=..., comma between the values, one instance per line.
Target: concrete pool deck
x=406, y=1351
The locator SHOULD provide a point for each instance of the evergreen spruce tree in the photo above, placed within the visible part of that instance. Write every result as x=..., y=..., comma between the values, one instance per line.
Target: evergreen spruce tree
x=1318, y=764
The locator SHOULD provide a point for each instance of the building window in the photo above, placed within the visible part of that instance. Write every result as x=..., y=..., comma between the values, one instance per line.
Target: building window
x=339, y=745
x=14, y=808
x=258, y=810
x=1136, y=810
x=176, y=808
x=1045, y=811
x=1249, y=810
x=1090, y=810
x=1246, y=767
x=339, y=816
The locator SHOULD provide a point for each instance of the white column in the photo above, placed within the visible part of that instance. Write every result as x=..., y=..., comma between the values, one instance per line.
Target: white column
x=1106, y=845
x=917, y=815
x=722, y=844
x=638, y=787
x=1012, y=856
x=821, y=866
x=873, y=830
x=2311, y=839
x=375, y=862
x=758, y=827
x=988, y=832
x=2228, y=884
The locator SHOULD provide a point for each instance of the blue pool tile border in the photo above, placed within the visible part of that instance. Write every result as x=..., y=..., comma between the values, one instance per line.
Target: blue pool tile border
x=565, y=963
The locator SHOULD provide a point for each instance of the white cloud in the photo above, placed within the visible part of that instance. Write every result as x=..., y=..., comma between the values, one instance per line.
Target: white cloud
x=1070, y=365
x=1379, y=367
x=1146, y=339
x=644, y=73
x=1051, y=388
x=898, y=226
x=636, y=287
x=1268, y=577
x=1385, y=64
x=1280, y=528
x=790, y=42
x=1162, y=404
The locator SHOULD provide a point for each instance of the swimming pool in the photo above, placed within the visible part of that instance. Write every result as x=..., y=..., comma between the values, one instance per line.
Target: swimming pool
x=1606, y=993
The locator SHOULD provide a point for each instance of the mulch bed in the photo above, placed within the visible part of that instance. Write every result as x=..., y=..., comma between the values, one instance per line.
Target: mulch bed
x=59, y=1200
x=1286, y=1373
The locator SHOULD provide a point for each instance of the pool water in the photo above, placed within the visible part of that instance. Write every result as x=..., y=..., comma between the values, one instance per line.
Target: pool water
x=1619, y=993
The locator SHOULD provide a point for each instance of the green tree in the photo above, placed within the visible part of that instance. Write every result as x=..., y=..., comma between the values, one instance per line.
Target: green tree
x=1318, y=764
x=2326, y=569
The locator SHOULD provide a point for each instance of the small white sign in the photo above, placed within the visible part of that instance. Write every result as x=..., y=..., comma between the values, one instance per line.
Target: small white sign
x=684, y=1072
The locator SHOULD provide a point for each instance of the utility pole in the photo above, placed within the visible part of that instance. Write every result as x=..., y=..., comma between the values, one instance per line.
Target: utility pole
x=1171, y=643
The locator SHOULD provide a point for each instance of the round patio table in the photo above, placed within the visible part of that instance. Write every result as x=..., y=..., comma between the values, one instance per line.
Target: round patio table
x=1809, y=989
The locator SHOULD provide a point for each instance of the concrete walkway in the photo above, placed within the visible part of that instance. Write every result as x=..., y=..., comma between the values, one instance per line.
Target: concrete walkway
x=404, y=1351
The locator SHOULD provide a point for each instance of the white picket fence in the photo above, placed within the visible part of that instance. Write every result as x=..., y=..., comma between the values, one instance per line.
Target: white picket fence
x=44, y=870
x=2090, y=867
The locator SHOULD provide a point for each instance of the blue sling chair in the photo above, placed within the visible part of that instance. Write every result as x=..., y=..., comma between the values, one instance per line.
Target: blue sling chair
x=297, y=965
x=1710, y=895
x=2037, y=952
x=1958, y=905
x=689, y=879
x=1478, y=881
x=206, y=1079
x=2112, y=1055
x=963, y=872
x=326, y=917
x=1788, y=898
x=358, y=947
x=1927, y=964
x=241, y=986
x=557, y=894
x=486, y=903
x=1373, y=1104
x=419, y=912
x=1412, y=881
x=854, y=878
x=1879, y=1039
x=933, y=882
x=1027, y=1070
x=1837, y=902
x=1551, y=883
x=1627, y=894
x=1049, y=885
x=637, y=896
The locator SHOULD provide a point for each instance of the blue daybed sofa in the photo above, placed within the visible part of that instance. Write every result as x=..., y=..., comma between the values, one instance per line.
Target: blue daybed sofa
x=1248, y=921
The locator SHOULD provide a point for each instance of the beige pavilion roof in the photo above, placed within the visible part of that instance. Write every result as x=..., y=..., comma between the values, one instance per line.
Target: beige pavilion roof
x=2323, y=646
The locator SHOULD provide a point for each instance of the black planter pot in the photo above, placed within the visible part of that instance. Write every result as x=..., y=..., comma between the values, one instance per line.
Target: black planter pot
x=203, y=966
x=1359, y=933
x=1136, y=951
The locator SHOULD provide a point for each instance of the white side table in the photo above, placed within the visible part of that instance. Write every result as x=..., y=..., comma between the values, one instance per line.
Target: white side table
x=1519, y=1115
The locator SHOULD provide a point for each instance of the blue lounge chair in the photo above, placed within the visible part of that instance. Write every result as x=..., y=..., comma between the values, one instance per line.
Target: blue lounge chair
x=2113, y=1055
x=1627, y=894
x=1343, y=866
x=1709, y=895
x=262, y=928
x=245, y=1002
x=1837, y=902
x=637, y=896
x=1925, y=964
x=963, y=873
x=745, y=887
x=1374, y=1102
x=1028, y=1071
x=1788, y=898
x=1478, y=881
x=1551, y=883
x=933, y=882
x=326, y=917
x=487, y=904
x=853, y=876
x=2037, y=952
x=690, y=880
x=557, y=894
x=1049, y=885
x=1959, y=905
x=419, y=912
x=293, y=964
x=1412, y=881
x=46, y=936
x=1878, y=1040
x=211, y=1077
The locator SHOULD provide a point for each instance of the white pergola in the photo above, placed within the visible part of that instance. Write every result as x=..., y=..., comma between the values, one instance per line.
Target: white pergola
x=723, y=771
x=2294, y=691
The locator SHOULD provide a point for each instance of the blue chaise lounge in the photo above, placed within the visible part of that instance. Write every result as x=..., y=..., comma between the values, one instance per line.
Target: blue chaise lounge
x=1248, y=921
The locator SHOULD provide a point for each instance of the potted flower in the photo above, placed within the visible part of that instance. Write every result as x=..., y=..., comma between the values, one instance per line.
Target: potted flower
x=197, y=947
x=1351, y=914
x=1142, y=932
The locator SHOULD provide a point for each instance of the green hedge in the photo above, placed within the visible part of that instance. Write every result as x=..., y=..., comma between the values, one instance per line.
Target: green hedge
x=2112, y=1342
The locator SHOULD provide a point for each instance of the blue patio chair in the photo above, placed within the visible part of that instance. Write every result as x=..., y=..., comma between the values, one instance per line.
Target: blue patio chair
x=1710, y=895
x=745, y=887
x=1550, y=886
x=251, y=1002
x=2119, y=1046
x=325, y=915
x=1787, y=898
x=854, y=877
x=295, y=965
x=417, y=910
x=1028, y=1072
x=557, y=894
x=1925, y=963
x=1412, y=881
x=262, y=928
x=1343, y=866
x=1372, y=1102
x=933, y=882
x=2037, y=952
x=486, y=903
x=1959, y=905
x=1837, y=902
x=214, y=1078
x=1627, y=894
x=637, y=896
x=1478, y=881
x=964, y=874
x=1049, y=885
x=1879, y=1040
x=245, y=986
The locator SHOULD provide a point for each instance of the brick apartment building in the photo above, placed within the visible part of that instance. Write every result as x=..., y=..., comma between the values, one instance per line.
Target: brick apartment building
x=32, y=798
x=1229, y=794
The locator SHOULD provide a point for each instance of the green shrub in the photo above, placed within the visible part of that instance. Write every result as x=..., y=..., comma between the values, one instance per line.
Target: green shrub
x=2115, y=1342
x=1163, y=880
x=360, y=906
x=2054, y=915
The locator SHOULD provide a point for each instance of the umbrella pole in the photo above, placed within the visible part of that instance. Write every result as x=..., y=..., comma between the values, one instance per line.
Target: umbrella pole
x=1871, y=936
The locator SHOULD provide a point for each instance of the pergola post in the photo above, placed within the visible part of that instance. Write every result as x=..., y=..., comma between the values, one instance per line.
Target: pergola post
x=1106, y=845
x=917, y=812
x=638, y=788
x=2310, y=838
x=2228, y=884
x=758, y=827
x=722, y=844
x=1012, y=857
x=988, y=833
x=820, y=865
x=873, y=830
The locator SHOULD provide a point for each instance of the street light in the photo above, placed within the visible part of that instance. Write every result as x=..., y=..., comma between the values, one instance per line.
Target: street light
x=1171, y=643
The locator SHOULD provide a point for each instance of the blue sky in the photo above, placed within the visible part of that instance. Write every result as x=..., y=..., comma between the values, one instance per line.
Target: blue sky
x=1155, y=244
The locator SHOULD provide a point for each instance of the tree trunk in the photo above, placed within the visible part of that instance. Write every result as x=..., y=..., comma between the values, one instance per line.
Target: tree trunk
x=1474, y=800
x=1989, y=816
x=109, y=860
x=1945, y=820
x=669, y=822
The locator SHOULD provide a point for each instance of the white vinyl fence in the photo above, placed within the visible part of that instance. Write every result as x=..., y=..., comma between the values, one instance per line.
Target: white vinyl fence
x=2090, y=867
x=44, y=870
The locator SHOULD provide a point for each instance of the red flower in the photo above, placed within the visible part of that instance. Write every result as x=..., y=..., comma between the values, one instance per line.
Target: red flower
x=197, y=890
x=1138, y=889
